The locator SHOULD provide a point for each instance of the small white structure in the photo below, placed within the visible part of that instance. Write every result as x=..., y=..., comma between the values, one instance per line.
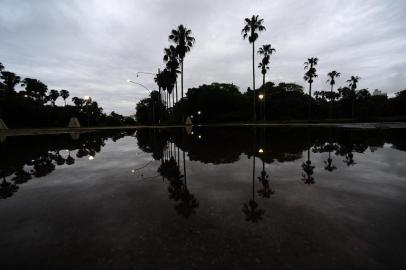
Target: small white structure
x=74, y=122
x=2, y=124
x=188, y=121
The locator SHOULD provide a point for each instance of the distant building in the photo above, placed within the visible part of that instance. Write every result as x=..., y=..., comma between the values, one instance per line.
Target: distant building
x=378, y=93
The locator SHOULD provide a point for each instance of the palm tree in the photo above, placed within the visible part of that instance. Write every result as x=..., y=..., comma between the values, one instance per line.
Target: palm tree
x=266, y=50
x=332, y=80
x=53, y=96
x=251, y=29
x=353, y=86
x=64, y=94
x=184, y=41
x=172, y=63
x=309, y=76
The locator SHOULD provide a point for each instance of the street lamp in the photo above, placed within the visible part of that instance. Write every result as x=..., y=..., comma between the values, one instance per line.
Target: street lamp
x=153, y=101
x=261, y=98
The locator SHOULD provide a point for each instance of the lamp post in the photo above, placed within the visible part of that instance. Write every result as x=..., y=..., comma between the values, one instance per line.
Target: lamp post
x=153, y=101
x=88, y=100
x=261, y=98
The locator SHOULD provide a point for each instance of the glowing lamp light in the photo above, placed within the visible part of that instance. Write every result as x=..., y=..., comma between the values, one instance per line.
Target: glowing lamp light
x=261, y=150
x=200, y=136
x=261, y=96
x=199, y=112
x=91, y=157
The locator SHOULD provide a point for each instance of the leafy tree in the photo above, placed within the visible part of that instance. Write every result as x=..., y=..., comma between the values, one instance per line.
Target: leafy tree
x=79, y=102
x=64, y=94
x=10, y=80
x=35, y=89
x=309, y=76
x=251, y=29
x=184, y=41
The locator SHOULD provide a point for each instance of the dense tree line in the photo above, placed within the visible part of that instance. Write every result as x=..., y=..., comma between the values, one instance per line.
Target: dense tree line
x=221, y=102
x=35, y=105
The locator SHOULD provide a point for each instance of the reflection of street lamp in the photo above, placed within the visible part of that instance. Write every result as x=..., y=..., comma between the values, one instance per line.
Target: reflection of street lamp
x=152, y=98
x=88, y=100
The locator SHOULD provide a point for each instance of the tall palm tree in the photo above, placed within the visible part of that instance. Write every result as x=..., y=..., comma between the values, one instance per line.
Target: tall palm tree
x=332, y=80
x=353, y=86
x=310, y=74
x=251, y=29
x=184, y=41
x=172, y=64
x=266, y=51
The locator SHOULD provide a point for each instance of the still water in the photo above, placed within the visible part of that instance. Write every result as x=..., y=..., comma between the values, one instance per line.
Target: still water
x=219, y=198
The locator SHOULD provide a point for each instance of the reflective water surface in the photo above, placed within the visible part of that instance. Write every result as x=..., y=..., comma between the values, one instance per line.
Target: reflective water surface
x=220, y=198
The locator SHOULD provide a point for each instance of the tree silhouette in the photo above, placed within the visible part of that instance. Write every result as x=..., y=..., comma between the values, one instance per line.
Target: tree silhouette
x=35, y=89
x=7, y=189
x=184, y=41
x=172, y=64
x=53, y=96
x=251, y=29
x=308, y=170
x=309, y=76
x=332, y=80
x=266, y=51
x=353, y=86
x=266, y=191
x=10, y=80
x=64, y=95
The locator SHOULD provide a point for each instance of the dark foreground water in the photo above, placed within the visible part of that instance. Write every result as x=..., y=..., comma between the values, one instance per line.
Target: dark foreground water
x=214, y=198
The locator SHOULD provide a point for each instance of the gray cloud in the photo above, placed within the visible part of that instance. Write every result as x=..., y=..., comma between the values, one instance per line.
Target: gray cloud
x=92, y=47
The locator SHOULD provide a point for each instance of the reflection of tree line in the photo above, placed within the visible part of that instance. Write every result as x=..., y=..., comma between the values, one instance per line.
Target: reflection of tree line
x=24, y=158
x=225, y=145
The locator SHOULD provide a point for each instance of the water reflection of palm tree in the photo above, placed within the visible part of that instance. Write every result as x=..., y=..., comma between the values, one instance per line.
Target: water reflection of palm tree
x=186, y=203
x=69, y=160
x=329, y=163
x=251, y=209
x=308, y=170
x=7, y=189
x=266, y=190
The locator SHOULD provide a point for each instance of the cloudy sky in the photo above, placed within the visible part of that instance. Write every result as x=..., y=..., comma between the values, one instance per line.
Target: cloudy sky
x=91, y=47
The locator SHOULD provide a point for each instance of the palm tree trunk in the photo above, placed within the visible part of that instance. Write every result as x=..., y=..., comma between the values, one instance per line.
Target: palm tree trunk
x=310, y=102
x=353, y=107
x=253, y=82
x=331, y=102
x=181, y=88
x=263, y=87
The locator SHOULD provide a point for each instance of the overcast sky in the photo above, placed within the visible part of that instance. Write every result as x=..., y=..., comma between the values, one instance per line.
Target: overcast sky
x=92, y=47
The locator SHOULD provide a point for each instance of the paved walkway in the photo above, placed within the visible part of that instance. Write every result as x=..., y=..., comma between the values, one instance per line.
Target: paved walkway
x=39, y=131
